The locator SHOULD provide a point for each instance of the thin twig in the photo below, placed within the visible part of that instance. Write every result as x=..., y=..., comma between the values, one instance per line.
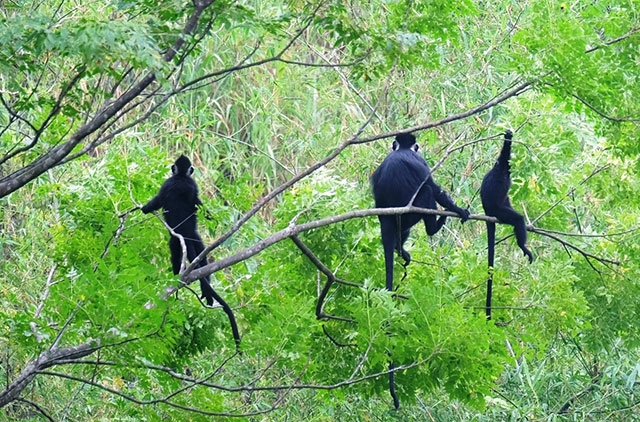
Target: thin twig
x=613, y=41
x=584, y=253
x=47, y=287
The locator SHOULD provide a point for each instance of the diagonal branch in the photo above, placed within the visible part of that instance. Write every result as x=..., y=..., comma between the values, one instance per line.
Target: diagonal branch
x=588, y=256
x=615, y=40
x=50, y=159
x=571, y=191
x=277, y=191
x=294, y=229
x=46, y=360
x=197, y=83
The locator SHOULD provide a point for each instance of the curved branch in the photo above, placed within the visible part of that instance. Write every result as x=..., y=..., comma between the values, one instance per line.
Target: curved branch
x=514, y=92
x=38, y=408
x=295, y=229
x=249, y=387
x=564, y=243
x=331, y=278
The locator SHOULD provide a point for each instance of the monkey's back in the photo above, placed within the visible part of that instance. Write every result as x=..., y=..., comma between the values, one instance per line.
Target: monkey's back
x=397, y=178
x=179, y=196
x=494, y=191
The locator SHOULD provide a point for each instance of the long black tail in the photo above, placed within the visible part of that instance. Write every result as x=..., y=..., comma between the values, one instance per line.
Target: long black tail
x=392, y=387
x=389, y=255
x=209, y=294
x=491, y=243
x=227, y=310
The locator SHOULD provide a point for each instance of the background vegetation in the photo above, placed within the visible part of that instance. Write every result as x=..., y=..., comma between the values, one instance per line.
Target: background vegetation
x=286, y=108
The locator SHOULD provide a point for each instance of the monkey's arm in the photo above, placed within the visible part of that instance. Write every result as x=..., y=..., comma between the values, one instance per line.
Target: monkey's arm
x=505, y=152
x=443, y=199
x=152, y=205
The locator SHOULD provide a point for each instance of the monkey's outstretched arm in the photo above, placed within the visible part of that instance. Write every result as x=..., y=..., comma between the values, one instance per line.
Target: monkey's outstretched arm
x=443, y=199
x=505, y=152
x=152, y=205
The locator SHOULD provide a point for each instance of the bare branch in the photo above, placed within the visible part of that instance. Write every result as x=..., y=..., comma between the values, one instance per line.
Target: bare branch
x=243, y=388
x=585, y=254
x=295, y=229
x=593, y=235
x=331, y=278
x=514, y=92
x=614, y=41
x=45, y=295
x=602, y=113
x=14, y=116
x=37, y=407
x=274, y=193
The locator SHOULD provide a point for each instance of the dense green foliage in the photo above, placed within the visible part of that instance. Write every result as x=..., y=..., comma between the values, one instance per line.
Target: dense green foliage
x=262, y=91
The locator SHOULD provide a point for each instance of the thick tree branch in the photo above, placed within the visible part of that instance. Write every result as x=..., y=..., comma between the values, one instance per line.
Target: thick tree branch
x=294, y=229
x=46, y=359
x=53, y=157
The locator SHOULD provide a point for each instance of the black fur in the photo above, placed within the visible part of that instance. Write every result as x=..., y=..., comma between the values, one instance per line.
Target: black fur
x=394, y=182
x=178, y=197
x=494, y=193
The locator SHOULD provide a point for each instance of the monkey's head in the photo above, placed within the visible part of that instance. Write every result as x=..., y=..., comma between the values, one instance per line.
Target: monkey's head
x=508, y=135
x=396, y=146
x=406, y=140
x=182, y=167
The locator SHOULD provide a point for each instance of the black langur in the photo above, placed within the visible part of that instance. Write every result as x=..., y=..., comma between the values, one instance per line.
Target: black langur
x=178, y=197
x=403, y=173
x=394, y=183
x=494, y=193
